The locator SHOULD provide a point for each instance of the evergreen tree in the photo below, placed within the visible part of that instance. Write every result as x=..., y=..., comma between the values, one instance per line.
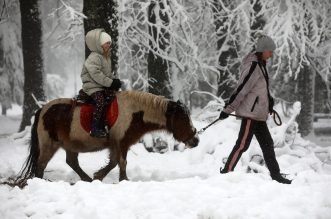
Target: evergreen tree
x=32, y=59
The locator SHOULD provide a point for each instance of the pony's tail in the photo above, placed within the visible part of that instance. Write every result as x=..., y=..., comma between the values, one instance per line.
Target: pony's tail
x=30, y=166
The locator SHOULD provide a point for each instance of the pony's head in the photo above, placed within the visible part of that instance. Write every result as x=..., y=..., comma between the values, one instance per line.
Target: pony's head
x=179, y=123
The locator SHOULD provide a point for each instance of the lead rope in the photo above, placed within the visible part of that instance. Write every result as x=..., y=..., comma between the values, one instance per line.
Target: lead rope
x=274, y=113
x=204, y=129
x=276, y=118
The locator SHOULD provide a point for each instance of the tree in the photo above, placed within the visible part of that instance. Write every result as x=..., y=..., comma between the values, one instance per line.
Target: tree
x=304, y=47
x=300, y=29
x=158, y=74
x=227, y=49
x=103, y=14
x=11, y=61
x=4, y=85
x=237, y=23
x=190, y=51
x=97, y=17
x=209, y=38
x=114, y=16
x=305, y=91
x=63, y=37
x=32, y=59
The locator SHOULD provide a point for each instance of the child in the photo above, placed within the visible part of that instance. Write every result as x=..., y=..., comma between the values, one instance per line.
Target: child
x=97, y=75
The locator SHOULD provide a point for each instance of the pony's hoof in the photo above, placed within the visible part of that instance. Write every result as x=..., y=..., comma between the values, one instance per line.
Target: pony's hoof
x=97, y=176
x=124, y=178
x=87, y=179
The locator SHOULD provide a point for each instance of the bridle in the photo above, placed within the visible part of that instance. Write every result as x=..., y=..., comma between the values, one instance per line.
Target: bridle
x=189, y=138
x=171, y=123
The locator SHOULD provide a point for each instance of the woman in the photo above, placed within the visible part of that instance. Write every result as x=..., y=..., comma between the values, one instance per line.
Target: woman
x=252, y=101
x=97, y=75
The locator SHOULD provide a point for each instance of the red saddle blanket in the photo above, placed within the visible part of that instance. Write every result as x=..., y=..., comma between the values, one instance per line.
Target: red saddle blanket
x=86, y=111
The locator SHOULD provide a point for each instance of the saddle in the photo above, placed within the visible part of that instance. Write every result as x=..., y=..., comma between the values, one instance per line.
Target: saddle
x=87, y=105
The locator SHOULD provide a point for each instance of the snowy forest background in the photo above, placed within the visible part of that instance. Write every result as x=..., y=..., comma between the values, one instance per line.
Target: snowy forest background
x=183, y=49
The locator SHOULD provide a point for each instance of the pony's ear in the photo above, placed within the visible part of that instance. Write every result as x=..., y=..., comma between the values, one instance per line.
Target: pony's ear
x=180, y=104
x=183, y=107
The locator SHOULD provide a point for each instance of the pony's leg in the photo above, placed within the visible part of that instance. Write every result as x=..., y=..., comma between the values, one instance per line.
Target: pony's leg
x=46, y=153
x=122, y=165
x=72, y=161
x=102, y=173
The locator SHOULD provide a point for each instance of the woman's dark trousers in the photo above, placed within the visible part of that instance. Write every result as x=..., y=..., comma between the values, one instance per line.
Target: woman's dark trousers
x=260, y=129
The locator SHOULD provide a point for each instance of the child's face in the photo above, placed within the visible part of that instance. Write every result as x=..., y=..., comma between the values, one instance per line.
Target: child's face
x=106, y=46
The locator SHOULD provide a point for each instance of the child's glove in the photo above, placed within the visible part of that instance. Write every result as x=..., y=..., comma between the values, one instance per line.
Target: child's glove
x=116, y=84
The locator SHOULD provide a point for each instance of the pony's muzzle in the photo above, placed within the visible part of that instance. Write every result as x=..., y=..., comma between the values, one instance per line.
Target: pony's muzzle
x=193, y=142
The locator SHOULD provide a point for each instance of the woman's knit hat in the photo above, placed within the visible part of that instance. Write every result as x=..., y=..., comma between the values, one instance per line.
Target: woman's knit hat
x=104, y=38
x=265, y=43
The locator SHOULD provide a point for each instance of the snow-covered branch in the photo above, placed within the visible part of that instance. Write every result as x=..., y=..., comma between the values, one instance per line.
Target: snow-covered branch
x=69, y=16
x=192, y=44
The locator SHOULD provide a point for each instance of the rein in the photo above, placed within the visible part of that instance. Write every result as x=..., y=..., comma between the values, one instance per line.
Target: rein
x=275, y=117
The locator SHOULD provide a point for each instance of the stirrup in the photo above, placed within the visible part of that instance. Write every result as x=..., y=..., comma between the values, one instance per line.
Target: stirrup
x=98, y=134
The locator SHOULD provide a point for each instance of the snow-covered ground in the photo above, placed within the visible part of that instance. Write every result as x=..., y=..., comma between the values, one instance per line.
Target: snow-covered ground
x=10, y=123
x=172, y=185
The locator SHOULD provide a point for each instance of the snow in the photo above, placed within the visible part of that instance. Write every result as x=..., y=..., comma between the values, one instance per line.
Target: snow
x=10, y=124
x=175, y=184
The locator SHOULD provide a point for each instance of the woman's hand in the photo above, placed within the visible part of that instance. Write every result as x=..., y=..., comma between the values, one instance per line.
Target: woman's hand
x=223, y=115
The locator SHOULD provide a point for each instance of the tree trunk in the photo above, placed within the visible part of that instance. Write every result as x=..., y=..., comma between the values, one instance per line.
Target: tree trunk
x=158, y=72
x=321, y=95
x=103, y=14
x=2, y=60
x=305, y=91
x=97, y=17
x=1, y=73
x=32, y=59
x=4, y=110
x=114, y=16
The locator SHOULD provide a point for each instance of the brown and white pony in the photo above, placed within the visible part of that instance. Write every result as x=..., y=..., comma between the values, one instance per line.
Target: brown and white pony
x=57, y=125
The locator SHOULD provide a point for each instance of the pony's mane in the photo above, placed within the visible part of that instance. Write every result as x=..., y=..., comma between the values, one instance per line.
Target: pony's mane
x=148, y=100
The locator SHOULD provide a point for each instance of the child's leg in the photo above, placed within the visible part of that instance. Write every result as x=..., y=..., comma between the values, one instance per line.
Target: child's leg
x=98, y=126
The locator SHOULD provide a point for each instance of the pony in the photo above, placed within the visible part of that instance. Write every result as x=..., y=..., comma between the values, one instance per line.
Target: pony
x=57, y=125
